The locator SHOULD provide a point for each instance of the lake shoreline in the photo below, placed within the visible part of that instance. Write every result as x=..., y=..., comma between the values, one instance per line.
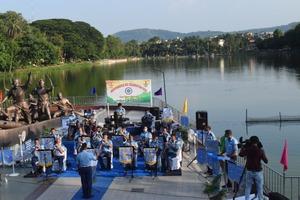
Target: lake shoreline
x=63, y=66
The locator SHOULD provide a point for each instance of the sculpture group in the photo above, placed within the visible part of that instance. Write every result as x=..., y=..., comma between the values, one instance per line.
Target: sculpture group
x=37, y=107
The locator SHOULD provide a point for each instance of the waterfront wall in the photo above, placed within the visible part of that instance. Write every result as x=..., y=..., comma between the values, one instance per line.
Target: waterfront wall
x=10, y=137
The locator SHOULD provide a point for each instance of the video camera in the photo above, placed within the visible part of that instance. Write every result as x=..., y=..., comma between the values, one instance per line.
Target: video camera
x=248, y=142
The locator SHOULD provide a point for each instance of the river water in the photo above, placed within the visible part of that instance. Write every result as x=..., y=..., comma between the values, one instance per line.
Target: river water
x=224, y=87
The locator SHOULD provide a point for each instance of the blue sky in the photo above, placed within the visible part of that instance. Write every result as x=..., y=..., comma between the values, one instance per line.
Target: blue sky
x=110, y=16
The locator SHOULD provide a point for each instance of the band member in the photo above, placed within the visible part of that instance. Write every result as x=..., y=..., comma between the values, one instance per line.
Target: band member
x=120, y=110
x=59, y=154
x=131, y=142
x=84, y=161
x=105, y=150
x=122, y=131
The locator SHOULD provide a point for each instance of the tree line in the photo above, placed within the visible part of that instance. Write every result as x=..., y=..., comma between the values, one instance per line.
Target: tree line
x=280, y=40
x=54, y=41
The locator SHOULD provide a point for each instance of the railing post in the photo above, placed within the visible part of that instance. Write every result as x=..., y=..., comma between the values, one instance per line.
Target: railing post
x=280, y=116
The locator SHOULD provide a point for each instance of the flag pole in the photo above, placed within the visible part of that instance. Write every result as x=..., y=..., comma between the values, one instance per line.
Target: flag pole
x=283, y=184
x=165, y=91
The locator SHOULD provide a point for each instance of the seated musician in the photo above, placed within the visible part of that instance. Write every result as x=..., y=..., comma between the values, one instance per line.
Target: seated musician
x=59, y=154
x=120, y=110
x=97, y=137
x=164, y=157
x=105, y=150
x=53, y=133
x=131, y=142
x=155, y=143
x=146, y=138
x=122, y=131
x=35, y=158
x=77, y=138
x=173, y=147
x=165, y=134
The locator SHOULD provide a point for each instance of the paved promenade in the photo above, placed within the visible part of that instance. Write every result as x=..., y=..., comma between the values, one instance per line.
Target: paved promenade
x=188, y=186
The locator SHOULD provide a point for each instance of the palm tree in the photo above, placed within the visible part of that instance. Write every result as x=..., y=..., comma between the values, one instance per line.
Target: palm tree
x=15, y=25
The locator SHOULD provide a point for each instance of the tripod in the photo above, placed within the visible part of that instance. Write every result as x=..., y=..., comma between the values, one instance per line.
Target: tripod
x=240, y=181
x=192, y=161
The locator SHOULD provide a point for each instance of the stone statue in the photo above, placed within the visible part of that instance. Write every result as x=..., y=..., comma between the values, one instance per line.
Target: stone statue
x=33, y=107
x=64, y=106
x=20, y=106
x=43, y=98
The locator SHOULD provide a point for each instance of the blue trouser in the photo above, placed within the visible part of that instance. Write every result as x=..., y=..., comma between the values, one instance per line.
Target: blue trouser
x=258, y=177
x=86, y=180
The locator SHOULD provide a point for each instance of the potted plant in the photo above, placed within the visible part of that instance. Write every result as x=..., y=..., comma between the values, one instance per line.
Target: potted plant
x=212, y=189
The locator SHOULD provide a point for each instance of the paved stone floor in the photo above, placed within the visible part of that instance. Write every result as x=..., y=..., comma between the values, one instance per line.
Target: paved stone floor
x=188, y=186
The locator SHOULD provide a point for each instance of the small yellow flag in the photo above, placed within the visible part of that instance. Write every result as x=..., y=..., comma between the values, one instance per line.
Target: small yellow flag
x=185, y=107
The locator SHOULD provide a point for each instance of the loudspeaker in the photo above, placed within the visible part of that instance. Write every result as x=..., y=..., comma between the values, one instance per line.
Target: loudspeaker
x=201, y=120
x=155, y=112
x=276, y=196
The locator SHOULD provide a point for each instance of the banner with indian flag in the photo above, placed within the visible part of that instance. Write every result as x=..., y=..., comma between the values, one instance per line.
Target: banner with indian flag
x=129, y=91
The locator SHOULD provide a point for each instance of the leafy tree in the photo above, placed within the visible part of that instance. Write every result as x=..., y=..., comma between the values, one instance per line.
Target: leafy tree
x=132, y=49
x=14, y=25
x=114, y=48
x=77, y=40
x=35, y=49
x=278, y=34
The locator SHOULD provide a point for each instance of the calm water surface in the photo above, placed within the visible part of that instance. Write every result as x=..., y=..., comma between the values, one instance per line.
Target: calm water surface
x=224, y=87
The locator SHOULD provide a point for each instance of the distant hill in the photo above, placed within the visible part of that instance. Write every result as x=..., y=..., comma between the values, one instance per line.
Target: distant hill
x=146, y=34
x=284, y=28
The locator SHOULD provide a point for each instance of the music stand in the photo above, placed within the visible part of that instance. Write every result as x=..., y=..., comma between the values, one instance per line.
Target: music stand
x=47, y=143
x=150, y=158
x=45, y=160
x=126, y=157
x=117, y=141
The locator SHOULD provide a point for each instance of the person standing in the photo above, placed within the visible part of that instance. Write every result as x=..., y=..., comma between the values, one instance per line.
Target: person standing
x=254, y=153
x=231, y=151
x=84, y=162
x=120, y=110
x=209, y=136
x=147, y=119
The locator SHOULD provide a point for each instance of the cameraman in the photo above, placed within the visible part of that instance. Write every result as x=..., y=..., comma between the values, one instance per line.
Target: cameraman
x=254, y=153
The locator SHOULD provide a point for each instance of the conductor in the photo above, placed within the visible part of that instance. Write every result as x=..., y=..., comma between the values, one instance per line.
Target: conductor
x=83, y=160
